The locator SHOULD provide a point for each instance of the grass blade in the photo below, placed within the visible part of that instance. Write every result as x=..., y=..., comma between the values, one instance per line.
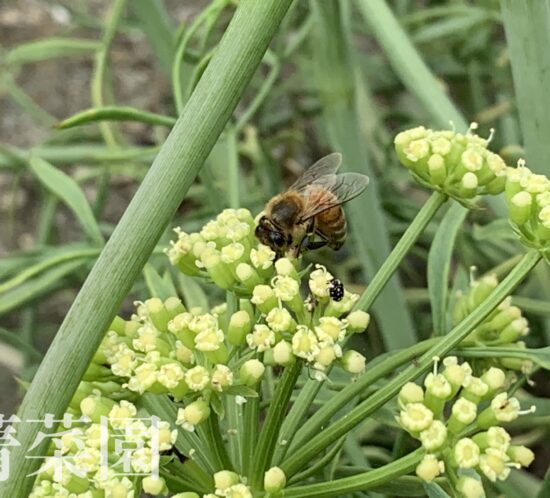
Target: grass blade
x=64, y=187
x=340, y=119
x=439, y=263
x=527, y=27
x=158, y=29
x=50, y=48
x=115, y=113
x=174, y=169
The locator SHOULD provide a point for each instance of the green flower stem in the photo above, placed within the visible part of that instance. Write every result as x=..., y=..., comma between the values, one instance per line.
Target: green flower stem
x=383, y=275
x=270, y=430
x=249, y=432
x=292, y=421
x=384, y=365
x=215, y=441
x=235, y=437
x=360, y=482
x=314, y=446
x=321, y=463
x=167, y=181
x=539, y=356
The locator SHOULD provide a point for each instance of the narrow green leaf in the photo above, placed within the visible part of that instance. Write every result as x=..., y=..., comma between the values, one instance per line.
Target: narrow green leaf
x=158, y=286
x=408, y=64
x=244, y=391
x=14, y=340
x=193, y=293
x=439, y=263
x=45, y=264
x=51, y=48
x=433, y=490
x=115, y=113
x=64, y=187
x=157, y=26
x=36, y=287
x=527, y=27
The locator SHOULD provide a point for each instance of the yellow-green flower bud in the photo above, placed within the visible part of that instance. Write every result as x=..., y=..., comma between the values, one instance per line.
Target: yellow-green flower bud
x=474, y=389
x=521, y=454
x=463, y=413
x=251, y=372
x=410, y=393
x=240, y=324
x=469, y=487
x=358, y=321
x=286, y=268
x=225, y=479
x=494, y=378
x=193, y=414
x=282, y=353
x=264, y=298
x=95, y=407
x=173, y=306
x=247, y=276
x=519, y=208
x=353, y=362
x=437, y=170
x=468, y=185
x=429, y=468
x=481, y=289
x=434, y=437
x=274, y=480
x=154, y=485
x=218, y=271
x=187, y=494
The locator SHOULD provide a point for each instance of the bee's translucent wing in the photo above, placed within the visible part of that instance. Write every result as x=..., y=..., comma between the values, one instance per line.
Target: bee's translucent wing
x=331, y=190
x=327, y=165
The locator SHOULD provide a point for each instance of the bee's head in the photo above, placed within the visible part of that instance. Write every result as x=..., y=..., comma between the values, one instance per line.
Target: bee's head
x=269, y=235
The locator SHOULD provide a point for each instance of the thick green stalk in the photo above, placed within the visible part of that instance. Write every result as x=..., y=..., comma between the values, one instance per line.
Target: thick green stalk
x=382, y=396
x=270, y=430
x=360, y=482
x=424, y=216
x=174, y=169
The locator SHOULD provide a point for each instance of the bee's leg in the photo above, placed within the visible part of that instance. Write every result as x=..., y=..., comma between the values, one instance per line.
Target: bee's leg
x=316, y=244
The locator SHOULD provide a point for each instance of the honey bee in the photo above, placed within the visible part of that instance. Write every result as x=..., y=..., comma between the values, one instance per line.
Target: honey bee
x=311, y=208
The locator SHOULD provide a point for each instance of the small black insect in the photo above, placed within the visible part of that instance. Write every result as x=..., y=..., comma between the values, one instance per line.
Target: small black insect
x=336, y=289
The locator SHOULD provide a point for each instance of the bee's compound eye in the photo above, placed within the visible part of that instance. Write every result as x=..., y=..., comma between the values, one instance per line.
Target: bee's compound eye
x=277, y=238
x=336, y=289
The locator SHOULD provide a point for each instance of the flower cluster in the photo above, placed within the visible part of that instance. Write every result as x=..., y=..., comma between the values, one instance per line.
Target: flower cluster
x=274, y=320
x=470, y=436
x=460, y=165
x=528, y=198
x=504, y=326
x=87, y=461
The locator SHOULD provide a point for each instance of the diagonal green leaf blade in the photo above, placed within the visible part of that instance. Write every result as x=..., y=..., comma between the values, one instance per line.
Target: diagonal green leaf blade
x=64, y=187
x=439, y=263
